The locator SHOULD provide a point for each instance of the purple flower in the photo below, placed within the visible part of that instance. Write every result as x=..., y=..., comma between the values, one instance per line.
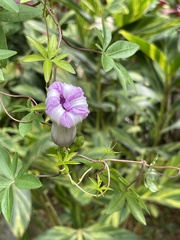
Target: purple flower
x=66, y=106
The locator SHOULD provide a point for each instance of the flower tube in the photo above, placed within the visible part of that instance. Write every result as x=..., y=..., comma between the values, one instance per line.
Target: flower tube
x=66, y=106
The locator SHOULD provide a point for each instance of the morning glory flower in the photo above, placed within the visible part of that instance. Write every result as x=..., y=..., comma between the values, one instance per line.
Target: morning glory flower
x=66, y=106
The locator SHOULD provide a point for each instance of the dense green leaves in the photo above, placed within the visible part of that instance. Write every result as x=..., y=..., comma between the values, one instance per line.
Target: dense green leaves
x=25, y=13
x=10, y=5
x=134, y=103
x=148, y=48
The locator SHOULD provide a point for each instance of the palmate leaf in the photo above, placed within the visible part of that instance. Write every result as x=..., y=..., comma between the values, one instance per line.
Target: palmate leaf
x=148, y=48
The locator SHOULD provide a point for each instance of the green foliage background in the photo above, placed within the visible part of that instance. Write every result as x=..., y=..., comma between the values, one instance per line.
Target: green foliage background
x=133, y=97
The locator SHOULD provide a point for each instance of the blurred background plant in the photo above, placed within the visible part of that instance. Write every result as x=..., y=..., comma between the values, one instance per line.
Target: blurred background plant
x=134, y=115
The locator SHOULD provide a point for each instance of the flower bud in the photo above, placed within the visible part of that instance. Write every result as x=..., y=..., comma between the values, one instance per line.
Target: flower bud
x=62, y=136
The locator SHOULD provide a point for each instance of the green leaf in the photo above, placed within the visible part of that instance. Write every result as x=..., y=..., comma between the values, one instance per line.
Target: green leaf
x=39, y=107
x=135, y=209
x=101, y=232
x=7, y=203
x=107, y=62
x=124, y=77
x=25, y=127
x=1, y=75
x=64, y=65
x=4, y=54
x=169, y=197
x=59, y=57
x=10, y=5
x=106, y=36
x=33, y=58
x=76, y=7
x=99, y=35
x=25, y=13
x=37, y=46
x=3, y=45
x=136, y=9
x=14, y=163
x=27, y=181
x=47, y=70
x=64, y=233
x=52, y=46
x=5, y=163
x=21, y=214
x=174, y=65
x=5, y=182
x=122, y=49
x=148, y=48
x=116, y=203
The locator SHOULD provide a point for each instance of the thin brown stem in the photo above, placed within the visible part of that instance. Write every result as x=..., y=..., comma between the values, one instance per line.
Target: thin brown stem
x=78, y=48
